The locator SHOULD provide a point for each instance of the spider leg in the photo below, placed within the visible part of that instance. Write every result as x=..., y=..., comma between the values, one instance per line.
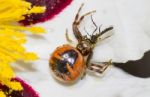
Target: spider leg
x=67, y=37
x=86, y=65
x=83, y=75
x=98, y=36
x=96, y=27
x=75, y=29
x=77, y=23
x=69, y=40
x=106, y=30
x=77, y=15
x=89, y=58
x=87, y=32
x=83, y=16
x=99, y=68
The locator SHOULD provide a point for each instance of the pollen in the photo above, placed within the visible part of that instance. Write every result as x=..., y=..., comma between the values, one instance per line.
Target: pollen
x=13, y=38
x=2, y=94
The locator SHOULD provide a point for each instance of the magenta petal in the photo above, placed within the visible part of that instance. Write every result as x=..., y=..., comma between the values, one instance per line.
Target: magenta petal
x=27, y=92
x=53, y=7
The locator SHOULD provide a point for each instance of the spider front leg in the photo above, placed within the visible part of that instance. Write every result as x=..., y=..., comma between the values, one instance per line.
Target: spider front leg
x=77, y=22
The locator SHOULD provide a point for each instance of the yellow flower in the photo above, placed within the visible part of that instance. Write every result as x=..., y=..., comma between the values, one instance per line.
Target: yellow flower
x=14, y=10
x=2, y=94
x=12, y=39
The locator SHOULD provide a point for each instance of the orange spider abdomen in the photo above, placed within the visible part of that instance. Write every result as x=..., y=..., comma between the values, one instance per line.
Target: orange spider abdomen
x=67, y=63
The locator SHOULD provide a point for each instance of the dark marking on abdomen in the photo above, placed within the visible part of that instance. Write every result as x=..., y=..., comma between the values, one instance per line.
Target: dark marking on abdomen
x=69, y=57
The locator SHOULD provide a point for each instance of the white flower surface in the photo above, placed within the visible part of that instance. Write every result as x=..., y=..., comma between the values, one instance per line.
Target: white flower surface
x=130, y=40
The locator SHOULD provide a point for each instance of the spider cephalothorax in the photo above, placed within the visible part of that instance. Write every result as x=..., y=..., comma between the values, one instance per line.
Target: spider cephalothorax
x=68, y=63
x=85, y=47
x=87, y=42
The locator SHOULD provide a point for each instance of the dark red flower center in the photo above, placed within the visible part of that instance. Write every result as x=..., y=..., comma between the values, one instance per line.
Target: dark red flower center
x=53, y=7
x=27, y=91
